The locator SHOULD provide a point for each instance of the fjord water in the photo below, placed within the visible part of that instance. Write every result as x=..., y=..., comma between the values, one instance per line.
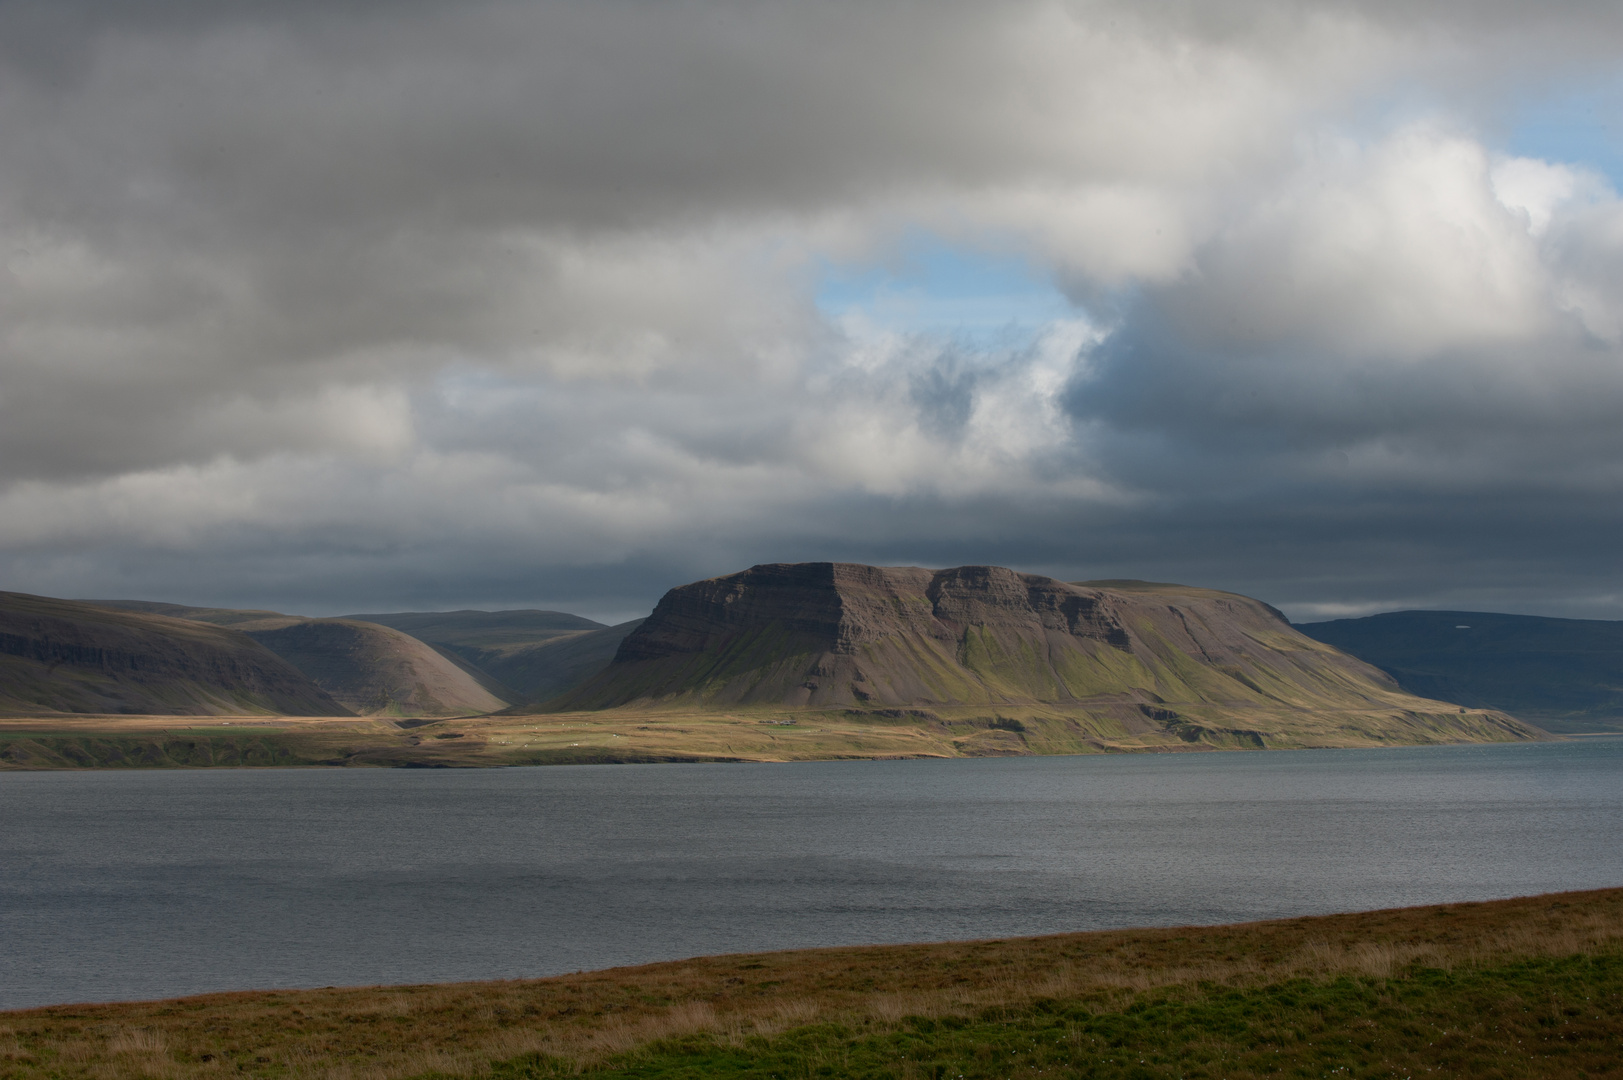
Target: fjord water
x=141, y=884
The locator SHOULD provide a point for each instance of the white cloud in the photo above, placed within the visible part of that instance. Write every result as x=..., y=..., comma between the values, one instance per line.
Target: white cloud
x=525, y=285
x=1536, y=188
x=1399, y=250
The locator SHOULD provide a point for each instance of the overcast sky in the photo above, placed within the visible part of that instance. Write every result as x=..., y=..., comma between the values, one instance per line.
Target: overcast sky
x=336, y=306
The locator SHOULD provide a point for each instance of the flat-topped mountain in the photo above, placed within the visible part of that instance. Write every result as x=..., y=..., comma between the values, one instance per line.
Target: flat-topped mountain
x=67, y=656
x=1563, y=674
x=1133, y=656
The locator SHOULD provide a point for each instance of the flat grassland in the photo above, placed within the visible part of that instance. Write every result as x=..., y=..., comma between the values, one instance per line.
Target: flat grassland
x=646, y=735
x=1530, y=987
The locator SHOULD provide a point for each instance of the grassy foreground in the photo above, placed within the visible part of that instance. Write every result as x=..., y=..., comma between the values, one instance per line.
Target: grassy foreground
x=760, y=734
x=1518, y=988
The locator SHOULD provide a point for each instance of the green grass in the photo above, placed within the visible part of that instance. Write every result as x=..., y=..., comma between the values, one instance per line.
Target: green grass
x=1547, y=1017
x=178, y=748
x=1526, y=988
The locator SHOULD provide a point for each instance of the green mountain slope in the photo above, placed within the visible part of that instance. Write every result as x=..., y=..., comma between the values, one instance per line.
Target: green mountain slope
x=1563, y=674
x=1135, y=657
x=233, y=617
x=67, y=656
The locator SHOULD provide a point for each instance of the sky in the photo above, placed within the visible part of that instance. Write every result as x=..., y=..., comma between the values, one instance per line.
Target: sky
x=366, y=306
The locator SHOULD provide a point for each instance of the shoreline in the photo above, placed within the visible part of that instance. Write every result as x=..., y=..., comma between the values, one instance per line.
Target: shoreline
x=1374, y=922
x=647, y=736
x=872, y=999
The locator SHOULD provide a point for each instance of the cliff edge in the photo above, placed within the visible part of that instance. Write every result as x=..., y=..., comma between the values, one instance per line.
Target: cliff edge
x=1117, y=657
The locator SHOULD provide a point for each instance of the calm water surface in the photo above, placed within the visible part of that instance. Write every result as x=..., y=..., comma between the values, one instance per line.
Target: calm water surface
x=117, y=885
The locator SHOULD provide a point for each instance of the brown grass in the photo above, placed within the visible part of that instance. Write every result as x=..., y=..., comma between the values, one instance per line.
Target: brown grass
x=379, y=1033
x=636, y=734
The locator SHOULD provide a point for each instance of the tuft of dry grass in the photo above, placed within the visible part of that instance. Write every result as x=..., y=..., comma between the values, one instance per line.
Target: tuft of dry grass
x=386, y=1033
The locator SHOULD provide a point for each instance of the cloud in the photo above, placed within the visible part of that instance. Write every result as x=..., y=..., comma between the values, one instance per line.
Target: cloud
x=358, y=304
x=1381, y=292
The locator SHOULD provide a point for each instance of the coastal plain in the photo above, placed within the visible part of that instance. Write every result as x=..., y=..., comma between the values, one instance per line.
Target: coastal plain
x=633, y=735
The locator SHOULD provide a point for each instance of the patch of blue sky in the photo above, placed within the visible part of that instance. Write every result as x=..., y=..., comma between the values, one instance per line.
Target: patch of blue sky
x=1573, y=125
x=929, y=286
x=1577, y=122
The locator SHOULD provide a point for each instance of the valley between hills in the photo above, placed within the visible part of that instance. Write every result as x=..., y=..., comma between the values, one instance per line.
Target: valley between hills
x=781, y=662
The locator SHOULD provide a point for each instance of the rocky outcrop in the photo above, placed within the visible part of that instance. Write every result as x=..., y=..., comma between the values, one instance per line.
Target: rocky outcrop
x=839, y=635
x=67, y=656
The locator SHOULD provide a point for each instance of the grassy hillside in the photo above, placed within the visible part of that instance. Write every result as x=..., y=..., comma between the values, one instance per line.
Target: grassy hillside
x=545, y=669
x=375, y=670
x=526, y=655
x=826, y=660
x=232, y=617
x=370, y=669
x=511, y=656
x=67, y=656
x=1513, y=988
x=1565, y=675
x=1069, y=662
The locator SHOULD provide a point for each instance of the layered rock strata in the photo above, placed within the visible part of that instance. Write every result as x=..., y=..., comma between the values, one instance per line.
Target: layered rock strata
x=73, y=657
x=1143, y=656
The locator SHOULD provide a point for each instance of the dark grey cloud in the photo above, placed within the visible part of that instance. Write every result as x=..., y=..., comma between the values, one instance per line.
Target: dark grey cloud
x=348, y=305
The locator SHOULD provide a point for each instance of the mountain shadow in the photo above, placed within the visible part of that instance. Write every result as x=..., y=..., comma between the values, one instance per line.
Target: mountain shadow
x=523, y=655
x=69, y=656
x=372, y=670
x=1565, y=675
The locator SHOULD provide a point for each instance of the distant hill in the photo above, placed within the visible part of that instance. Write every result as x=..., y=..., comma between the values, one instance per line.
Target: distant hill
x=234, y=617
x=483, y=629
x=1160, y=660
x=69, y=656
x=377, y=670
x=373, y=670
x=1565, y=675
x=548, y=668
x=525, y=655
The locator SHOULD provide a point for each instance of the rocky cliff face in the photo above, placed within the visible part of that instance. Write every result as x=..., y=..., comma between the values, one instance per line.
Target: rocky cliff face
x=73, y=657
x=825, y=635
